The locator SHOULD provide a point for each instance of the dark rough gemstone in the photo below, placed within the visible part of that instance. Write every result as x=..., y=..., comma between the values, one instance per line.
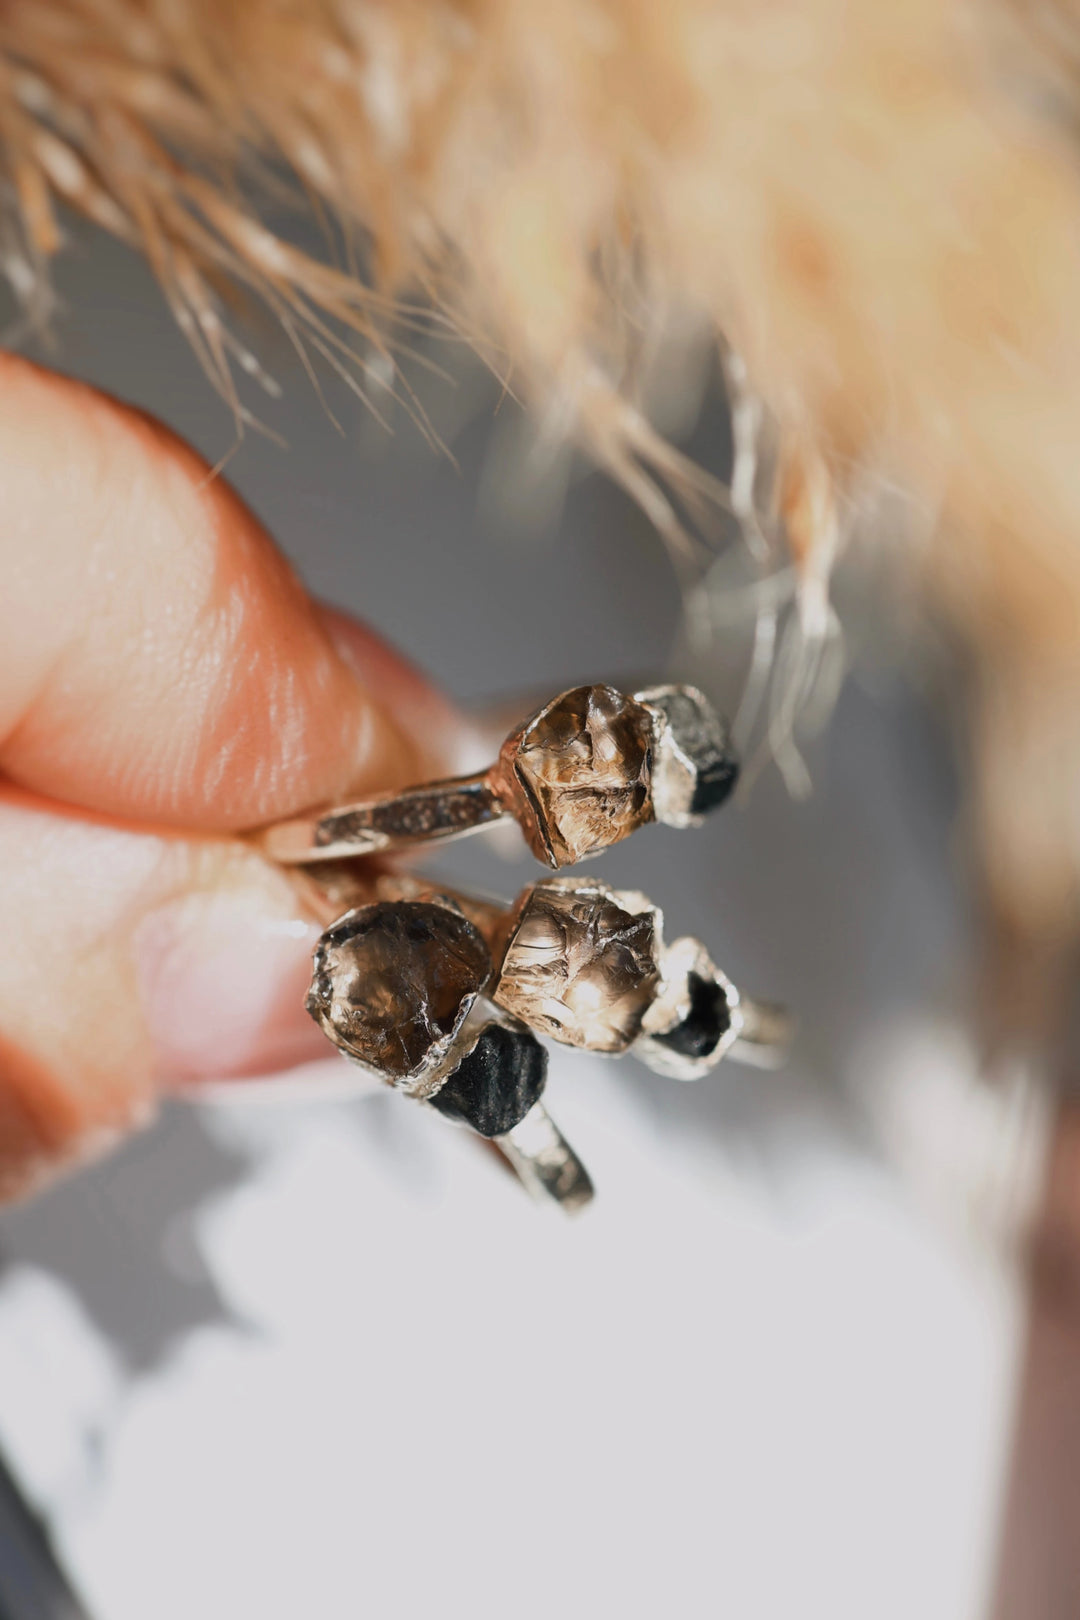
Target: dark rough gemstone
x=702, y=766
x=715, y=783
x=495, y=1086
x=394, y=979
x=708, y=1019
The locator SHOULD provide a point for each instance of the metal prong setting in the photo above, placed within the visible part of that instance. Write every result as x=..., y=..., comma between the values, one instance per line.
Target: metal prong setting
x=579, y=775
x=699, y=1018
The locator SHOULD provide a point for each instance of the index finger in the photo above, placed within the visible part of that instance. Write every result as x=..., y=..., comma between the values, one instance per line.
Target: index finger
x=159, y=659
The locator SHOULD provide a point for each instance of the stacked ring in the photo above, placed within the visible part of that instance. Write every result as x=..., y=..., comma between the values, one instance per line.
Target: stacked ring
x=401, y=988
x=442, y=996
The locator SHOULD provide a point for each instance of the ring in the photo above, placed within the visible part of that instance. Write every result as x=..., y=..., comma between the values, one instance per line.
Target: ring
x=442, y=996
x=586, y=965
x=399, y=986
x=585, y=771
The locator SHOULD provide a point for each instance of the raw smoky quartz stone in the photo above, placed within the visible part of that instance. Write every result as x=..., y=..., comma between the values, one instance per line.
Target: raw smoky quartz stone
x=393, y=983
x=582, y=772
x=695, y=768
x=581, y=963
x=707, y=1020
x=493, y=1088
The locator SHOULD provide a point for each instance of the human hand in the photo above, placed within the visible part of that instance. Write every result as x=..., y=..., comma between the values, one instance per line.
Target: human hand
x=165, y=683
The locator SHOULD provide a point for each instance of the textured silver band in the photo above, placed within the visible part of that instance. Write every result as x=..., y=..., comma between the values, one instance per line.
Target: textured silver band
x=545, y=1162
x=764, y=1033
x=585, y=771
x=394, y=821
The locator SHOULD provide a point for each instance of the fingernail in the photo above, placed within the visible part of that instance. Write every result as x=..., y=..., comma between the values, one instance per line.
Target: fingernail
x=222, y=977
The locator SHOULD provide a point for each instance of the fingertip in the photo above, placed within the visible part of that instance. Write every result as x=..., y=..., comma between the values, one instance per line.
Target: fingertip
x=159, y=658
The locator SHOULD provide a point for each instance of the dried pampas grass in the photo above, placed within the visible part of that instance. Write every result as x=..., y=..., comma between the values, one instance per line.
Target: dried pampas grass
x=875, y=206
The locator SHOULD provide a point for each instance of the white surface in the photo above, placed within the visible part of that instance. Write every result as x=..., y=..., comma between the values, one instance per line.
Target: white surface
x=712, y=1395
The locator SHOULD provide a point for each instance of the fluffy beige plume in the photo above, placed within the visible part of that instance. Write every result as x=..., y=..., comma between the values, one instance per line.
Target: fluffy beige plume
x=876, y=205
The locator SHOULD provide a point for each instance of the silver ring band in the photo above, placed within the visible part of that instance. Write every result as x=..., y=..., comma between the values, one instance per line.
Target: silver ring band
x=545, y=1162
x=585, y=771
x=766, y=1032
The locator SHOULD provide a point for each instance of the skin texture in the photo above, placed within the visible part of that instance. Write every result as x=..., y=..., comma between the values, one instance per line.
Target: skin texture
x=165, y=683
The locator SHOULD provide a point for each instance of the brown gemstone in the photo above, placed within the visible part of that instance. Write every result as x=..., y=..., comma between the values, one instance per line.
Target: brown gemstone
x=581, y=768
x=393, y=983
x=581, y=963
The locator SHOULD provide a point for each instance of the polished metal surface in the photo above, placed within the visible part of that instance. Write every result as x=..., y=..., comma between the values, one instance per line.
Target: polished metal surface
x=758, y=1033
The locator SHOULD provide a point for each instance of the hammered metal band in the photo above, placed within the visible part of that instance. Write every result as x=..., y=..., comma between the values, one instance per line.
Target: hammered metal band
x=580, y=774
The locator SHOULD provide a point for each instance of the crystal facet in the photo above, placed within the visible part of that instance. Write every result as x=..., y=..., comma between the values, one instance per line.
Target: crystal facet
x=393, y=983
x=694, y=768
x=493, y=1088
x=581, y=963
x=582, y=773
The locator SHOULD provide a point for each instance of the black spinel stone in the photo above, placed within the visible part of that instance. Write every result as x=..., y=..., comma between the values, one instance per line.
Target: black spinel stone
x=708, y=1019
x=704, y=741
x=715, y=783
x=495, y=1086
